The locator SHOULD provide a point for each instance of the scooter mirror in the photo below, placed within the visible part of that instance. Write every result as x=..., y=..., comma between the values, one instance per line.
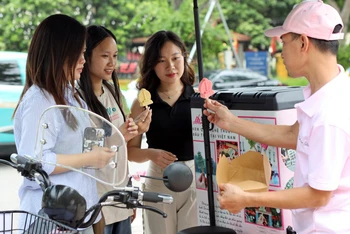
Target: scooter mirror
x=177, y=177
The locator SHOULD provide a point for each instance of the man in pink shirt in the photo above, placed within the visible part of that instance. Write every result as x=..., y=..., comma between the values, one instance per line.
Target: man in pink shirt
x=320, y=199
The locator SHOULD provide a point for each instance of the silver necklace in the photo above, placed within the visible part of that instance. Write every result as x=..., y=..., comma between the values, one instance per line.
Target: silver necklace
x=168, y=96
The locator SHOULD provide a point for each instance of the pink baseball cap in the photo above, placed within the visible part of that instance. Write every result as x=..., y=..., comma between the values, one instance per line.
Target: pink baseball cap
x=312, y=18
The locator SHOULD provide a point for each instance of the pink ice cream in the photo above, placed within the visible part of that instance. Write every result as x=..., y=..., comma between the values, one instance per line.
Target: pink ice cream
x=205, y=88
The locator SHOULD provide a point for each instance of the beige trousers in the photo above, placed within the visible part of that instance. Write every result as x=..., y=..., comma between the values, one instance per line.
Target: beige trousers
x=182, y=213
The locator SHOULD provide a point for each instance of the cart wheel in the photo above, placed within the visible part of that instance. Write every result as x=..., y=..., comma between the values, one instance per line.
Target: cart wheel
x=207, y=230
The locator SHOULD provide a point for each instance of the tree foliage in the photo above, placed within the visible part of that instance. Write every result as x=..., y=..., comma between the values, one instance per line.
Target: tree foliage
x=253, y=17
x=140, y=18
x=343, y=7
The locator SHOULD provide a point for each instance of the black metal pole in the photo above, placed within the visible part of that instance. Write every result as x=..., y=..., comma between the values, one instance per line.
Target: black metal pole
x=205, y=122
x=198, y=39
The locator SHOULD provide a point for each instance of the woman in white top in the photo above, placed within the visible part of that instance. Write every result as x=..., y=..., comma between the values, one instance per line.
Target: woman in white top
x=55, y=61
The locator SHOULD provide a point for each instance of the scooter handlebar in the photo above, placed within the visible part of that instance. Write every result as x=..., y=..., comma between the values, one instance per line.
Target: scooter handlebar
x=154, y=197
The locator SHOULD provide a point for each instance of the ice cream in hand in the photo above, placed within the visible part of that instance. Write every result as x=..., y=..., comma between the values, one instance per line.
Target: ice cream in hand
x=205, y=88
x=144, y=97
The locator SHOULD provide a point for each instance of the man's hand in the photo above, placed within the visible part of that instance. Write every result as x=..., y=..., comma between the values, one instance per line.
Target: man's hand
x=218, y=114
x=231, y=198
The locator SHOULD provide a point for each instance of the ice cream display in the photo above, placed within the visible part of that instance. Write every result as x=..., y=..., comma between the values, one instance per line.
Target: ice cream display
x=144, y=97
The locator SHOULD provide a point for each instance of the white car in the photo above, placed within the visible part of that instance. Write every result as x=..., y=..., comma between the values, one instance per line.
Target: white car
x=236, y=78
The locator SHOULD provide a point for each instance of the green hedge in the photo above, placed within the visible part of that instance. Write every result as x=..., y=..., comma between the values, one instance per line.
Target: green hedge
x=294, y=81
x=344, y=56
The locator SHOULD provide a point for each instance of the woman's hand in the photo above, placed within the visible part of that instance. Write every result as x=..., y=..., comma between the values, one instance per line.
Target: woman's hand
x=133, y=216
x=143, y=120
x=129, y=129
x=99, y=157
x=162, y=158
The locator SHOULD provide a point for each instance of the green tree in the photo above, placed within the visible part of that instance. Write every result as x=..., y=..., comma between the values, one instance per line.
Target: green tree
x=116, y=16
x=19, y=18
x=152, y=17
x=344, y=56
x=343, y=7
x=253, y=17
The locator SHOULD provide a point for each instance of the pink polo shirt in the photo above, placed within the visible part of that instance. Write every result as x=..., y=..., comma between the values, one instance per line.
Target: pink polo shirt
x=323, y=156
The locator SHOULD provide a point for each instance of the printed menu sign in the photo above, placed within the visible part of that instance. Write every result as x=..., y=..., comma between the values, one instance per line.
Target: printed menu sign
x=230, y=147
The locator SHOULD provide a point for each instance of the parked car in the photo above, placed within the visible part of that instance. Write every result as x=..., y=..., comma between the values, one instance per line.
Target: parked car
x=235, y=78
x=12, y=77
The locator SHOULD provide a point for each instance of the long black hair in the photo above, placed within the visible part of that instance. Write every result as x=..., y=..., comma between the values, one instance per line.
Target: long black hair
x=58, y=40
x=95, y=35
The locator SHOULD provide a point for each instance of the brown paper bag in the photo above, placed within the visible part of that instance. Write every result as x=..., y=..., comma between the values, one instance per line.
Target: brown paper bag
x=251, y=171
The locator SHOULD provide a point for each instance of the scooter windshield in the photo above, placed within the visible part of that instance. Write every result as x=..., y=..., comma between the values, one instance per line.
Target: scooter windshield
x=85, y=137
